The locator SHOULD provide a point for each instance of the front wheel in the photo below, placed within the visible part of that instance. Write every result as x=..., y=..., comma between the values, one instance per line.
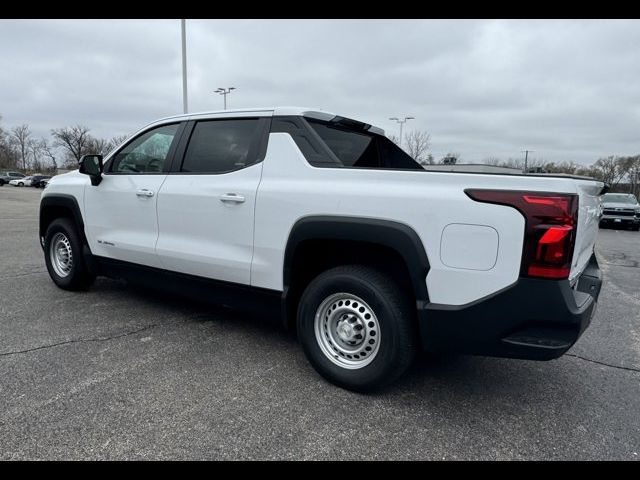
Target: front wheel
x=357, y=327
x=63, y=256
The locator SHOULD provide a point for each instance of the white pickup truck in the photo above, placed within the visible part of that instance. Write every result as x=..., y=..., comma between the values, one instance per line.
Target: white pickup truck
x=325, y=222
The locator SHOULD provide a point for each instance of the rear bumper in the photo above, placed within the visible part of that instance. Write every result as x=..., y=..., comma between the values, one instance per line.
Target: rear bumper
x=533, y=319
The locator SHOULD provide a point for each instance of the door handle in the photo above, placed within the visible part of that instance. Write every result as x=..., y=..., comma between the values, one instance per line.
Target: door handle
x=144, y=192
x=232, y=197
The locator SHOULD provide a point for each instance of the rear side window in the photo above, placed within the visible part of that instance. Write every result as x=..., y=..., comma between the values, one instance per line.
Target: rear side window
x=311, y=147
x=220, y=146
x=353, y=149
x=361, y=149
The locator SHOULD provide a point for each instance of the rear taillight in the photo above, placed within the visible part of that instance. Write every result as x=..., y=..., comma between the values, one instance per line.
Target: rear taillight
x=551, y=220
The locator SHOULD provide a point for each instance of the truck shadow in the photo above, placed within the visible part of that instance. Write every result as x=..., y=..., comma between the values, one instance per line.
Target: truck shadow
x=461, y=374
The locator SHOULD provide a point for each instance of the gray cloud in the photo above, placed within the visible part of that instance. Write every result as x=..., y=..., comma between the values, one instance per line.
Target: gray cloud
x=569, y=90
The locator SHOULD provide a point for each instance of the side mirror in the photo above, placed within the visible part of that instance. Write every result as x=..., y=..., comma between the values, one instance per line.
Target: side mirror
x=92, y=165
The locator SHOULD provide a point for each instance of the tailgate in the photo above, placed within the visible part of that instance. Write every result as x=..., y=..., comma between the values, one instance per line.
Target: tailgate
x=588, y=219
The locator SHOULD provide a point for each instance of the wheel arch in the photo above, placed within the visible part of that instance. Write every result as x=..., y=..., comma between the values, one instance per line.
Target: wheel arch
x=397, y=244
x=57, y=206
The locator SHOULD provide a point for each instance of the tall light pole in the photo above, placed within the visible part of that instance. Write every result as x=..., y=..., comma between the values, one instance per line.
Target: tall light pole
x=184, y=65
x=224, y=92
x=401, y=122
x=526, y=159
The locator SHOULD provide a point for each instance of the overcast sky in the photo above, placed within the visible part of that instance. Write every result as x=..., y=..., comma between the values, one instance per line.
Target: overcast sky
x=569, y=90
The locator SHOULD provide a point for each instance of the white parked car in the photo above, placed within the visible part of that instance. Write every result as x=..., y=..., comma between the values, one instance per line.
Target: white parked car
x=21, y=182
x=324, y=222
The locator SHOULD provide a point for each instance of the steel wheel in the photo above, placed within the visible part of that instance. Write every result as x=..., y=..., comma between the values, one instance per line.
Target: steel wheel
x=61, y=254
x=347, y=331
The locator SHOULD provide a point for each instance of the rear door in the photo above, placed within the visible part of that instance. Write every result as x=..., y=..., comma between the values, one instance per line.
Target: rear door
x=206, y=205
x=120, y=213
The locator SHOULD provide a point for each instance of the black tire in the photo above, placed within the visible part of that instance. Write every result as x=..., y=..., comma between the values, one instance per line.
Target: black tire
x=395, y=315
x=78, y=277
x=635, y=228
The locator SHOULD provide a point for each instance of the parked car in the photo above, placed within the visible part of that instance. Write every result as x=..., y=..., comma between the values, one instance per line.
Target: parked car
x=37, y=180
x=6, y=177
x=324, y=222
x=620, y=209
x=21, y=182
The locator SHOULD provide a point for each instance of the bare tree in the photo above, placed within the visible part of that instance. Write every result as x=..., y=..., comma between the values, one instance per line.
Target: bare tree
x=49, y=152
x=76, y=141
x=394, y=139
x=35, y=150
x=495, y=161
x=8, y=157
x=514, y=163
x=561, y=167
x=634, y=174
x=116, y=142
x=20, y=136
x=610, y=169
x=99, y=146
x=417, y=145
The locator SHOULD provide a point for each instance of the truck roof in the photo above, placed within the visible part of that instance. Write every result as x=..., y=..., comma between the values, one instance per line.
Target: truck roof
x=316, y=113
x=302, y=111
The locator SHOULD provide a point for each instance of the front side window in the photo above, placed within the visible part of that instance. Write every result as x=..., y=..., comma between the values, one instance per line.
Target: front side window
x=220, y=146
x=361, y=149
x=147, y=153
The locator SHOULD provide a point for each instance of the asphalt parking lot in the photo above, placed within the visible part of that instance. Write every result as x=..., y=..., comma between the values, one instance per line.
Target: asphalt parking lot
x=120, y=373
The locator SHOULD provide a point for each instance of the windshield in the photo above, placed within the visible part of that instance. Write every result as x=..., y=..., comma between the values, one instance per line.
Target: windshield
x=619, y=198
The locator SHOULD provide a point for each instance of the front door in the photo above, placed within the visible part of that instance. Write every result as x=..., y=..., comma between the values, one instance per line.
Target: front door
x=120, y=213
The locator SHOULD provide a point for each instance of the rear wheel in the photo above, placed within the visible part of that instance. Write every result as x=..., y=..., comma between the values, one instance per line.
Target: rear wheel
x=64, y=258
x=357, y=327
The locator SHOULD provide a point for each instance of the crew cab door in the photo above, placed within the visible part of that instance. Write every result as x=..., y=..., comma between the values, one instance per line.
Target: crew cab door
x=206, y=205
x=120, y=213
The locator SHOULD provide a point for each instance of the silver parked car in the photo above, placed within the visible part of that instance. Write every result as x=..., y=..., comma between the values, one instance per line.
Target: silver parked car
x=620, y=209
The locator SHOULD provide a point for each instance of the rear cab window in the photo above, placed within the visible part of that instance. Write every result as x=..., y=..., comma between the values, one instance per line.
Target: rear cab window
x=344, y=143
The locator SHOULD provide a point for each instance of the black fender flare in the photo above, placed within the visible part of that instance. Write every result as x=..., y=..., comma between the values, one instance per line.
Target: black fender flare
x=388, y=233
x=61, y=200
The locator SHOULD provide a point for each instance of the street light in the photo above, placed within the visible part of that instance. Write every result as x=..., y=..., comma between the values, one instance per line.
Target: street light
x=401, y=122
x=224, y=92
x=184, y=65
